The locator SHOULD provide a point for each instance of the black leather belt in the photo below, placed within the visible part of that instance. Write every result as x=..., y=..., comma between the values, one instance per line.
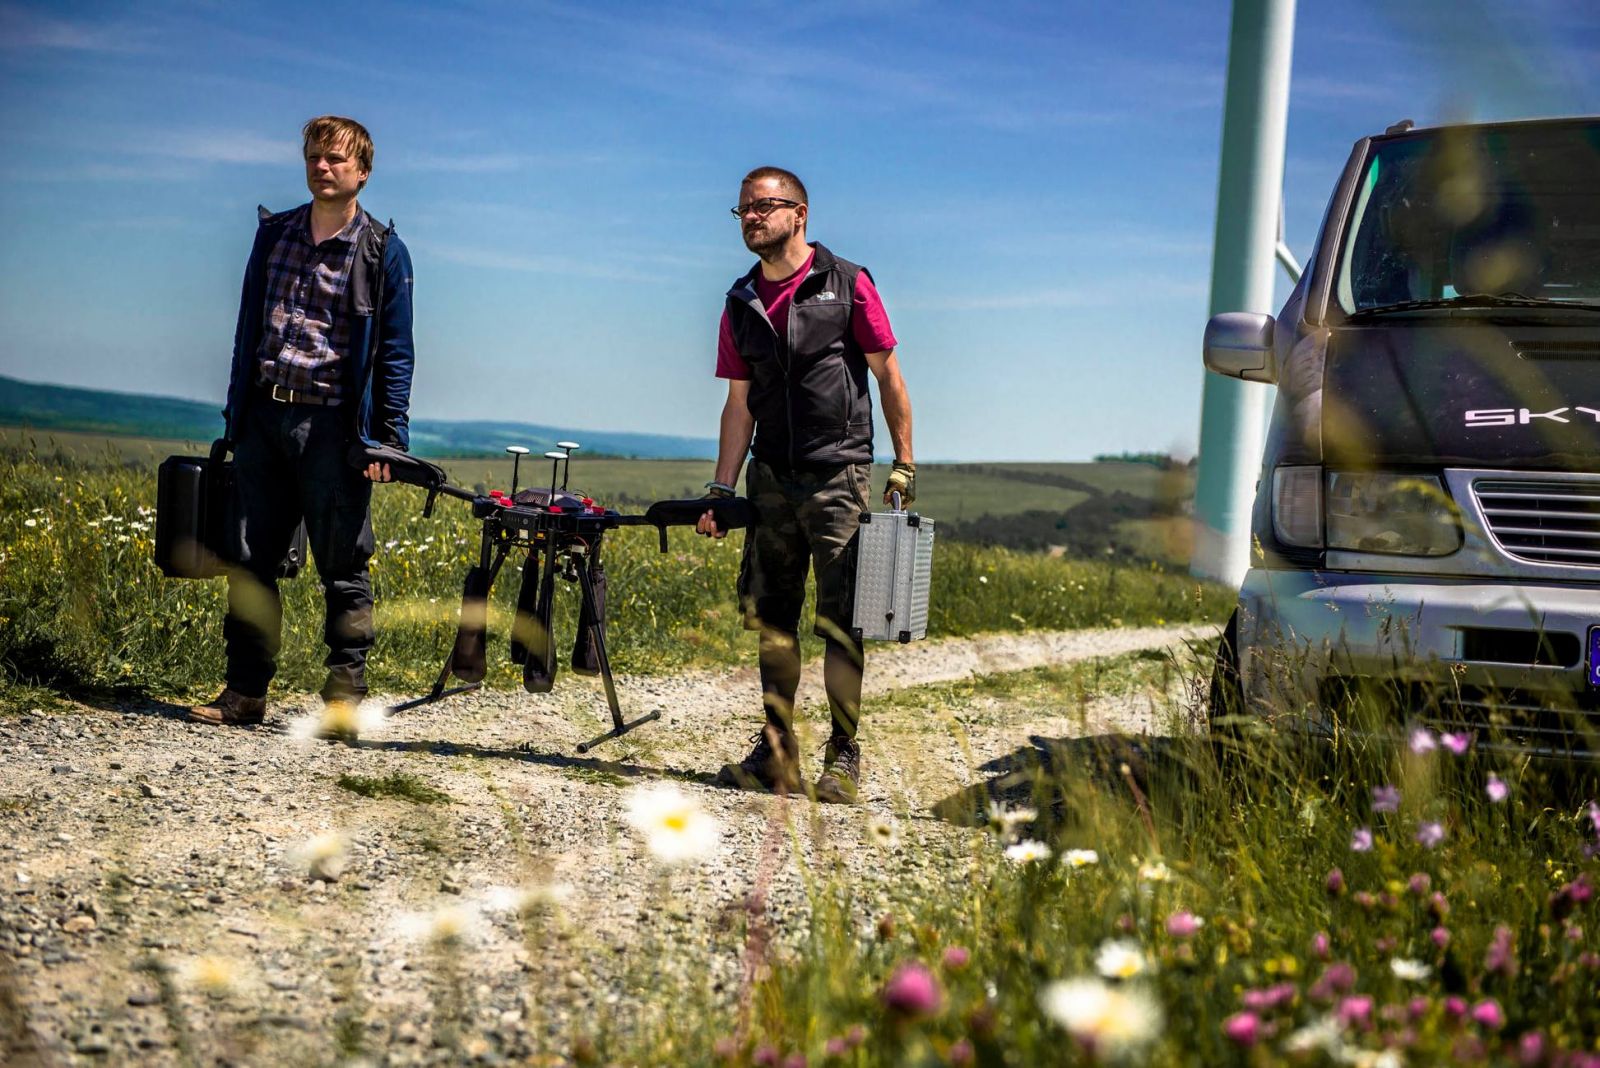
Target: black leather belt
x=285, y=395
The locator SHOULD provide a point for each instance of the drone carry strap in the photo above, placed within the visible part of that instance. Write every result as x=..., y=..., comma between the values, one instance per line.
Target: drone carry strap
x=585, y=659
x=534, y=628
x=468, y=661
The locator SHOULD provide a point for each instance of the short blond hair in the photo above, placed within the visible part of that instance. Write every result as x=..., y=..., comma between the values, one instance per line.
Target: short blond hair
x=336, y=131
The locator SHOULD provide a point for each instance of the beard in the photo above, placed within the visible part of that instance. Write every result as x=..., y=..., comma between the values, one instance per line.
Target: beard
x=765, y=238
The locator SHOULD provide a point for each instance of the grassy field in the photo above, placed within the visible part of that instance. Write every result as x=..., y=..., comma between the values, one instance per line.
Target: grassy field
x=1383, y=901
x=82, y=605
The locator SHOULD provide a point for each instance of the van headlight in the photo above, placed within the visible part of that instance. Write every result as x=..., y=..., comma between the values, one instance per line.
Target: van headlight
x=1388, y=512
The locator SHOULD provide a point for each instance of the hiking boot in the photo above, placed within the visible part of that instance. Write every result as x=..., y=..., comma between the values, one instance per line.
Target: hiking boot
x=774, y=764
x=841, y=772
x=338, y=722
x=230, y=708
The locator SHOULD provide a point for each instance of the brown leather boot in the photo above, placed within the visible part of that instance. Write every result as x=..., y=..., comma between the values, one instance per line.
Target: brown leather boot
x=841, y=772
x=774, y=764
x=232, y=709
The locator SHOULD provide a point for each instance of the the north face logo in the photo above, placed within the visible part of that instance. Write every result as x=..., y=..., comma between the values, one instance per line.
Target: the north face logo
x=826, y=294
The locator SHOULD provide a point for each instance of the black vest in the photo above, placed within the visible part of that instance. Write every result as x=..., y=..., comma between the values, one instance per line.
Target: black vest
x=808, y=390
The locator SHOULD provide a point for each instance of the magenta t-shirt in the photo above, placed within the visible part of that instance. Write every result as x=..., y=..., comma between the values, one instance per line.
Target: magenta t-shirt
x=869, y=322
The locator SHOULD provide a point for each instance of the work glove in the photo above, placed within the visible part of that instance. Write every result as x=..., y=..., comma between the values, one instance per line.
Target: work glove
x=902, y=480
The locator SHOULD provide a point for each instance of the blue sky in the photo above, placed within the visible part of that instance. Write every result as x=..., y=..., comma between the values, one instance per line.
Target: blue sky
x=1033, y=185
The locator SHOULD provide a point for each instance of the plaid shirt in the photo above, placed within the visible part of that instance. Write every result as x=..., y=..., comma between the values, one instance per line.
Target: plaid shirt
x=305, y=332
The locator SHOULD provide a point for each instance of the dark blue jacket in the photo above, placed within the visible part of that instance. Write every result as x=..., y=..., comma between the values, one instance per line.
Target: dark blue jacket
x=378, y=367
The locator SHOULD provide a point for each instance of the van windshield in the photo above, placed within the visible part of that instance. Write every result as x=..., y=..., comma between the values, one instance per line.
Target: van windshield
x=1471, y=213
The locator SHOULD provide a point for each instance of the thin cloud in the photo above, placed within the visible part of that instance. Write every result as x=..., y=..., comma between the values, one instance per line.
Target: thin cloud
x=496, y=260
x=25, y=30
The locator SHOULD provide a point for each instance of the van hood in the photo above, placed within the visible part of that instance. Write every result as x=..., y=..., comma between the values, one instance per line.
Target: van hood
x=1461, y=389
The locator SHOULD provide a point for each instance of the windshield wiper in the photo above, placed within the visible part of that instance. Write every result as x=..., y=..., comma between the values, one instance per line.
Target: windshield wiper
x=1476, y=300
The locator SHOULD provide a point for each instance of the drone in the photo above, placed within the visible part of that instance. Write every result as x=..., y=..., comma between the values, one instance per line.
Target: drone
x=561, y=530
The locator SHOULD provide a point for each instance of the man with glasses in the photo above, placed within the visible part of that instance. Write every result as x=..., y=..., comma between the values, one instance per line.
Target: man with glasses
x=322, y=358
x=800, y=333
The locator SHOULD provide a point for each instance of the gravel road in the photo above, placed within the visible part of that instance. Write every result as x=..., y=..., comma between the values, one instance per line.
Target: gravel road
x=158, y=898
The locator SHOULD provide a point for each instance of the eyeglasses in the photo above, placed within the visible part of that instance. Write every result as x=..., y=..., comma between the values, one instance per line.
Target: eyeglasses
x=763, y=207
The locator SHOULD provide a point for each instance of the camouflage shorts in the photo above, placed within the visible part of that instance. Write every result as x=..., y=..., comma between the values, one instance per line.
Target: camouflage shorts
x=808, y=520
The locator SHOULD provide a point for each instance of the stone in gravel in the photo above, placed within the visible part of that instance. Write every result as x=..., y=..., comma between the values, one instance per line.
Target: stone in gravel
x=143, y=997
x=149, y=791
x=282, y=983
x=449, y=886
x=92, y=1044
x=79, y=924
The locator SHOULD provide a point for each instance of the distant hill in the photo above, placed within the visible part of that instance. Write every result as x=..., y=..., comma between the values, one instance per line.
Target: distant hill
x=48, y=407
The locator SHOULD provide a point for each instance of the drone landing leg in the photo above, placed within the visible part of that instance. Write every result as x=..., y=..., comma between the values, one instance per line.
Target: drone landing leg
x=439, y=693
x=618, y=726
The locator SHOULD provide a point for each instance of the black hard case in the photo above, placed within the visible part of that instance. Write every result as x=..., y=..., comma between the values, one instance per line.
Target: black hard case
x=196, y=518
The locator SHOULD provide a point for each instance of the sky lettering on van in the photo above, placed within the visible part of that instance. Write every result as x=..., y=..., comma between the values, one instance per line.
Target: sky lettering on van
x=1524, y=416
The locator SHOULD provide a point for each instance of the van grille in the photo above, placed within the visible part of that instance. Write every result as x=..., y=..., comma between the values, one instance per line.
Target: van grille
x=1544, y=522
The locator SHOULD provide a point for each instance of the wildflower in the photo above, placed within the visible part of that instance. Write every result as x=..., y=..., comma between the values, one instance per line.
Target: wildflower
x=1321, y=945
x=674, y=826
x=883, y=833
x=1080, y=858
x=1337, y=978
x=1114, y=1021
x=1243, y=1028
x=1501, y=956
x=1120, y=959
x=1411, y=971
x=1184, y=924
x=1496, y=788
x=835, y=1047
x=1422, y=741
x=956, y=958
x=30, y=522
x=1430, y=834
x=1487, y=1013
x=1027, y=851
x=1440, y=936
x=1531, y=1048
x=1385, y=798
x=1458, y=744
x=1355, y=1012
x=913, y=991
x=961, y=1052
x=1333, y=882
x=1007, y=821
x=984, y=579
x=323, y=857
x=1361, y=840
x=1323, y=1035
x=527, y=900
x=1269, y=999
x=1419, y=883
x=1438, y=904
x=1579, y=892
x=1156, y=872
x=216, y=976
x=765, y=1056
x=795, y=1060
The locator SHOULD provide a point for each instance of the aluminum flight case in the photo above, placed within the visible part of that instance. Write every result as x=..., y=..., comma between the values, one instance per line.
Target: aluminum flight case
x=894, y=569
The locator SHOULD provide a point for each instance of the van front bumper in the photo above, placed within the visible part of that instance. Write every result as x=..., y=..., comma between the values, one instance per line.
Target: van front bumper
x=1516, y=662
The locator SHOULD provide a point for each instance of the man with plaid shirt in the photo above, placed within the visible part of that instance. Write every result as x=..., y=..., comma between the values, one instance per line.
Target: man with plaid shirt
x=322, y=360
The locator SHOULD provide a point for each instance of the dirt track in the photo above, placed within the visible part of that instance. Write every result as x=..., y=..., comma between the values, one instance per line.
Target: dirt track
x=146, y=859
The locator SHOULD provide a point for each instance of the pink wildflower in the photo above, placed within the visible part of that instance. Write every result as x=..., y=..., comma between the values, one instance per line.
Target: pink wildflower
x=1334, y=882
x=795, y=1060
x=1430, y=834
x=1440, y=936
x=1243, y=1028
x=836, y=1047
x=956, y=958
x=1385, y=798
x=1496, y=788
x=855, y=1036
x=1361, y=840
x=1420, y=883
x=765, y=1056
x=1575, y=894
x=1321, y=945
x=1455, y=1006
x=1337, y=978
x=913, y=991
x=1487, y=1013
x=1531, y=1049
x=961, y=1052
x=1502, y=954
x=1355, y=1012
x=1418, y=1008
x=1439, y=905
x=1184, y=924
x=1422, y=741
x=1268, y=999
x=1456, y=743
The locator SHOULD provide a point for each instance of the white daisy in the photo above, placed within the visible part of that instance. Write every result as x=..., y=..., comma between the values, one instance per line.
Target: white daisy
x=1027, y=851
x=1117, y=1020
x=1412, y=971
x=675, y=828
x=1080, y=858
x=1120, y=959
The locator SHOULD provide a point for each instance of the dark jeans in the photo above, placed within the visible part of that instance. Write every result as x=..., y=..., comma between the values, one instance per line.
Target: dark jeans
x=289, y=465
x=809, y=521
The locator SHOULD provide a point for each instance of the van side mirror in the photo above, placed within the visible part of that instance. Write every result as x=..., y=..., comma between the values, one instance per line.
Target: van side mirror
x=1239, y=345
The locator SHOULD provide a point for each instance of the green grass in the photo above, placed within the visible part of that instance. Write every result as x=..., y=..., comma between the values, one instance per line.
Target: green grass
x=396, y=785
x=1292, y=914
x=82, y=607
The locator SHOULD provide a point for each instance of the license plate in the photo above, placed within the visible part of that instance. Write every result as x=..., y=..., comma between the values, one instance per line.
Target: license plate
x=1594, y=657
